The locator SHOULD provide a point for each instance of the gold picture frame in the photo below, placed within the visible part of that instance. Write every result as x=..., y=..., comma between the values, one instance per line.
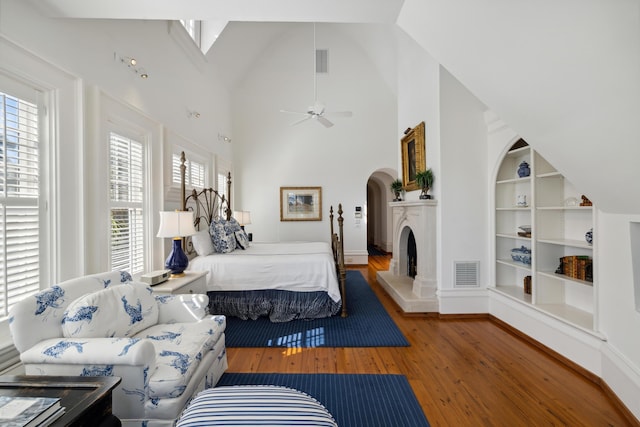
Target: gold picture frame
x=413, y=156
x=300, y=203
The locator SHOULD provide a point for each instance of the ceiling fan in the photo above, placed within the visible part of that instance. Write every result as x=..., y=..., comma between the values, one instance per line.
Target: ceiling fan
x=317, y=110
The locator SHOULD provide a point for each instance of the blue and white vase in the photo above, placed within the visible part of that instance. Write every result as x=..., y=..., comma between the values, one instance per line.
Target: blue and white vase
x=523, y=169
x=589, y=236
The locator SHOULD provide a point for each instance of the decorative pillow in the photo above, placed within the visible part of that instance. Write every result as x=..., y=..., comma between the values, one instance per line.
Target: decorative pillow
x=242, y=240
x=117, y=311
x=202, y=243
x=232, y=226
x=222, y=242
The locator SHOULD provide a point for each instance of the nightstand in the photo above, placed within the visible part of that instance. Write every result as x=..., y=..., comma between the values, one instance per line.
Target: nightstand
x=193, y=282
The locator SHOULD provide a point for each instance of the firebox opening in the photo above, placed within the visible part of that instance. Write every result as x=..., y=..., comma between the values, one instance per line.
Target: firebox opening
x=412, y=256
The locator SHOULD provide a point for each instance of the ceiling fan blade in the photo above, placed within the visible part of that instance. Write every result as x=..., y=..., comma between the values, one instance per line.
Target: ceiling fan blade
x=324, y=121
x=339, y=113
x=300, y=121
x=293, y=112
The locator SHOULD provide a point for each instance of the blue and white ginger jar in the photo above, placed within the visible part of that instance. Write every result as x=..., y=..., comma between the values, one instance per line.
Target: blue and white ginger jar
x=524, y=170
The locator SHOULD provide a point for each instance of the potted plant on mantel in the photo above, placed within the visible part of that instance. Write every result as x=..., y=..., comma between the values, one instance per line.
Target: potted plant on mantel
x=396, y=188
x=425, y=180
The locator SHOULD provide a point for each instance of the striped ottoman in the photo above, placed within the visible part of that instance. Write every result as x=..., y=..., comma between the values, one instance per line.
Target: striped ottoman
x=255, y=405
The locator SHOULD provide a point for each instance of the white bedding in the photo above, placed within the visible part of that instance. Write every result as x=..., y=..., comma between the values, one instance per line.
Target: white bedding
x=290, y=266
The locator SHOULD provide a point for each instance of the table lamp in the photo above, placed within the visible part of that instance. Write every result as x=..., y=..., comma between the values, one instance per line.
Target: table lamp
x=176, y=224
x=243, y=218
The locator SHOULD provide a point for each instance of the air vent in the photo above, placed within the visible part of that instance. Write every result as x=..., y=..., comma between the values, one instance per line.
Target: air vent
x=322, y=61
x=466, y=274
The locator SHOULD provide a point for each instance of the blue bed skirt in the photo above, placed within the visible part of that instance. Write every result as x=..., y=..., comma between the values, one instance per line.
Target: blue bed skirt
x=278, y=305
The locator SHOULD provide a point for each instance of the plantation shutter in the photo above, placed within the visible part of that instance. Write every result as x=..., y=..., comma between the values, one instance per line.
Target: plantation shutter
x=194, y=173
x=19, y=197
x=222, y=190
x=126, y=199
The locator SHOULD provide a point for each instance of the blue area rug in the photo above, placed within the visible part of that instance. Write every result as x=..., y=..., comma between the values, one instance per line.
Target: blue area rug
x=354, y=400
x=367, y=325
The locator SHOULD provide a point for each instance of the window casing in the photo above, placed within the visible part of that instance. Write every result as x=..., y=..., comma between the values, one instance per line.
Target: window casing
x=20, y=215
x=126, y=198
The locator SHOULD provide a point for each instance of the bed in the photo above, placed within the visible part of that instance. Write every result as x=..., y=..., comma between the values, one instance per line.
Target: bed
x=283, y=281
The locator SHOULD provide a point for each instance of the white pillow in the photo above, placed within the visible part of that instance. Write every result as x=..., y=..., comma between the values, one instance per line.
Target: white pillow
x=202, y=243
x=117, y=311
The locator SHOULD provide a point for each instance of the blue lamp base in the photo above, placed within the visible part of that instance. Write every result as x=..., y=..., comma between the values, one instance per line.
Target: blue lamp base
x=177, y=260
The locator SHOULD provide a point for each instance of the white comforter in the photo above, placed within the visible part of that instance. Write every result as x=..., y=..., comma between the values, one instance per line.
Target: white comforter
x=290, y=266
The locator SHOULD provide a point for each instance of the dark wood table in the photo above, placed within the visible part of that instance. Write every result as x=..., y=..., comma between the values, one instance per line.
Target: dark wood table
x=87, y=400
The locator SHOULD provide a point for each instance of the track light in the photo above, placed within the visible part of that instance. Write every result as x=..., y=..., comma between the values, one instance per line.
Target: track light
x=132, y=64
x=224, y=138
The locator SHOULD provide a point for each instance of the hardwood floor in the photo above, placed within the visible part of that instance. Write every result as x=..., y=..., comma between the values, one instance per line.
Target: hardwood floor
x=464, y=372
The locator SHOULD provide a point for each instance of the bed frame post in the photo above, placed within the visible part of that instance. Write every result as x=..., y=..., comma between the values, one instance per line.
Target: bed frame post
x=338, y=256
x=342, y=272
x=229, y=210
x=183, y=169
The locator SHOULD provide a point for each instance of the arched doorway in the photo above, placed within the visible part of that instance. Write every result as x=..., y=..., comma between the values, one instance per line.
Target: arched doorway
x=379, y=221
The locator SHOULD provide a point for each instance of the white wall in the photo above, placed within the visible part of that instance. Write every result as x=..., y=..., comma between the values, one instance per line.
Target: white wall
x=463, y=192
x=269, y=153
x=617, y=316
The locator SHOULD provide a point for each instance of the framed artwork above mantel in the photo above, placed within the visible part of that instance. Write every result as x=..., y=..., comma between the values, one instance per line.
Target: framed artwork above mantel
x=413, y=156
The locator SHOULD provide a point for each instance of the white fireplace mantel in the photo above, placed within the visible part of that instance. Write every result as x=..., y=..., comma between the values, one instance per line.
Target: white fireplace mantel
x=417, y=294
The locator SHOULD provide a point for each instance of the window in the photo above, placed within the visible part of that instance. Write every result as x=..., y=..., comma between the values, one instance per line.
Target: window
x=19, y=201
x=194, y=173
x=126, y=179
x=193, y=27
x=222, y=190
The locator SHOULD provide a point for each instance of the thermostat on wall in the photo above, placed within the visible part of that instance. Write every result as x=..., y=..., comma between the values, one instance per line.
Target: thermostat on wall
x=155, y=277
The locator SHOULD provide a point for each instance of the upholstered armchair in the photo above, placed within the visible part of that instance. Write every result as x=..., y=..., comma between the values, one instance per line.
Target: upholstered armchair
x=165, y=348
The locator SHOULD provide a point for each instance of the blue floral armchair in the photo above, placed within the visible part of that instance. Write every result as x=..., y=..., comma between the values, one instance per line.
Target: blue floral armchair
x=165, y=348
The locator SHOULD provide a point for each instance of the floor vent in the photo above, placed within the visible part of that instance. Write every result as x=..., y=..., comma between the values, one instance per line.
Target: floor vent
x=466, y=274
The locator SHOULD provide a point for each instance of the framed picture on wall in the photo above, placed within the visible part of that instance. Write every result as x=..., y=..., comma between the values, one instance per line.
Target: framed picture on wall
x=300, y=203
x=413, y=156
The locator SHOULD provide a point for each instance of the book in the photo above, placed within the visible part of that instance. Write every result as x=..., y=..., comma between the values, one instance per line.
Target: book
x=44, y=423
x=18, y=411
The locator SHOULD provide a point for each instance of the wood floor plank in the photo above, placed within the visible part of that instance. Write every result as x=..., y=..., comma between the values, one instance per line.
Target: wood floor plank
x=464, y=372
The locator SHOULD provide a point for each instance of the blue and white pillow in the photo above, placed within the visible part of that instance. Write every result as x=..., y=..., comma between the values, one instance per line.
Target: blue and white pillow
x=223, y=241
x=242, y=240
x=117, y=311
x=233, y=227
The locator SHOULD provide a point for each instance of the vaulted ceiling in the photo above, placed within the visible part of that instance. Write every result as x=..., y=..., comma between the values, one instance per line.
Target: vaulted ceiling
x=564, y=74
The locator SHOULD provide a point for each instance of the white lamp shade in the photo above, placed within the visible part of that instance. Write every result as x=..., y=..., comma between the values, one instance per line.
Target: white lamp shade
x=243, y=217
x=176, y=224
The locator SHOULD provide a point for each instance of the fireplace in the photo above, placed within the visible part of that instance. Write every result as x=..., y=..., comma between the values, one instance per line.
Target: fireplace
x=412, y=277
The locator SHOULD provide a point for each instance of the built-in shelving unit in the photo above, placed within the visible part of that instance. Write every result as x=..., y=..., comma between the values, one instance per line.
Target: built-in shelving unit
x=557, y=225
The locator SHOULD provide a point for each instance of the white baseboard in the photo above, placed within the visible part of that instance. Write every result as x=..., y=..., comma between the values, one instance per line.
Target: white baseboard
x=356, y=257
x=583, y=348
x=622, y=378
x=463, y=301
